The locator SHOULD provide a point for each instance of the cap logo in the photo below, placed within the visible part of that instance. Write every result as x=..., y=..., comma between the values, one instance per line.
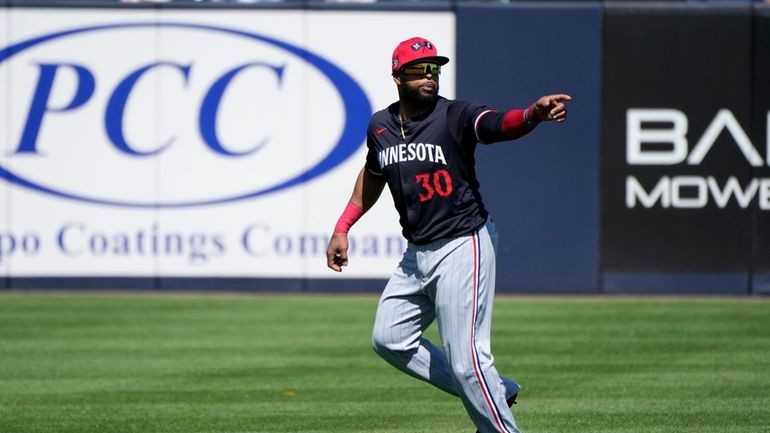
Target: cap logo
x=417, y=45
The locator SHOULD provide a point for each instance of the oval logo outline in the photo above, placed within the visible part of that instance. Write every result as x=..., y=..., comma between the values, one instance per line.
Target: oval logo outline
x=357, y=110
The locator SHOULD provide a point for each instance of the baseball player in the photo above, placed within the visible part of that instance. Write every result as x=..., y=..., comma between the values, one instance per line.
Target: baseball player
x=422, y=147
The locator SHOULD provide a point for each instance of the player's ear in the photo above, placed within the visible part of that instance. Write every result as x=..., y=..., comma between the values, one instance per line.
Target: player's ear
x=397, y=79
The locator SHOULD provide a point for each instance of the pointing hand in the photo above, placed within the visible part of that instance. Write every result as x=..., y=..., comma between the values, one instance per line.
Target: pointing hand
x=552, y=107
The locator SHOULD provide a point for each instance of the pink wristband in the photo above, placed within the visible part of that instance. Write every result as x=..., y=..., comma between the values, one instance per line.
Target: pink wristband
x=349, y=216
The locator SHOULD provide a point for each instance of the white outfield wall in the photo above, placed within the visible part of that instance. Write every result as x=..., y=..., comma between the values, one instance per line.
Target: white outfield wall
x=194, y=143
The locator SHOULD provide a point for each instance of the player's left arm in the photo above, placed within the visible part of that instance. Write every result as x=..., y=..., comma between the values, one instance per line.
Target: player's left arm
x=492, y=126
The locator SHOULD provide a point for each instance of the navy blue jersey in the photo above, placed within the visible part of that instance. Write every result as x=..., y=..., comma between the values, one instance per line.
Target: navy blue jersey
x=431, y=172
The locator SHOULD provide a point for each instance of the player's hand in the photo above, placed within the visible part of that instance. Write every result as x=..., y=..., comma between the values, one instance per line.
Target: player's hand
x=552, y=107
x=337, y=252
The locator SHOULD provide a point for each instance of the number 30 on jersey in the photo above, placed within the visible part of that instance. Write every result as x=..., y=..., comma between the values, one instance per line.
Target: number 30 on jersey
x=437, y=183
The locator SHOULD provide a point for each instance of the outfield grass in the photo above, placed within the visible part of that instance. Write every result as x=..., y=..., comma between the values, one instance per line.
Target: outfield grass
x=217, y=363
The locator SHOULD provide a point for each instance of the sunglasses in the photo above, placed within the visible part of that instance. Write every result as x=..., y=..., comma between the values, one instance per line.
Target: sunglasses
x=422, y=69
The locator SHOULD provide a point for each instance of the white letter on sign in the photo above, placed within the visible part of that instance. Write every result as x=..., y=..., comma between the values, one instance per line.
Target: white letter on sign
x=764, y=194
x=724, y=119
x=635, y=191
x=635, y=136
x=698, y=201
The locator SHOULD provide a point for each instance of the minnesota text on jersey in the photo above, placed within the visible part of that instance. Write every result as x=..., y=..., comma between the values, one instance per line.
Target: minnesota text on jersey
x=410, y=152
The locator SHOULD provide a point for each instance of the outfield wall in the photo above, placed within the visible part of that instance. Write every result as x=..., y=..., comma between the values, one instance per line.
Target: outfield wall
x=178, y=147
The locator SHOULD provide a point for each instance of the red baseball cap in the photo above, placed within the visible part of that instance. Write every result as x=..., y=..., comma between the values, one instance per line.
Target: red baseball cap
x=415, y=49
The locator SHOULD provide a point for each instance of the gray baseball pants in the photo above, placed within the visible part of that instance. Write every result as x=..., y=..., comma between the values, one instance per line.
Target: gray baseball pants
x=451, y=281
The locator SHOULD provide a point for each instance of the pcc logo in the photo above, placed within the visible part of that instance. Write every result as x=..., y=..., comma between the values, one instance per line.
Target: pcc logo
x=155, y=114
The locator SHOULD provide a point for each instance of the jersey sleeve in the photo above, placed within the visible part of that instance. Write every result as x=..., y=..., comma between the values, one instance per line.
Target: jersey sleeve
x=463, y=118
x=372, y=160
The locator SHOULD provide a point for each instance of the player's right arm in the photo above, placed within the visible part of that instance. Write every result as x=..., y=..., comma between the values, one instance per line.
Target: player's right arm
x=366, y=192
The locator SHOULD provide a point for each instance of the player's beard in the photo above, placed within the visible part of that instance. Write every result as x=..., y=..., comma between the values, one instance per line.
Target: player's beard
x=418, y=98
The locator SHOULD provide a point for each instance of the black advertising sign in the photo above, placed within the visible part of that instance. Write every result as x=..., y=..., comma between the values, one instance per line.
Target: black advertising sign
x=685, y=174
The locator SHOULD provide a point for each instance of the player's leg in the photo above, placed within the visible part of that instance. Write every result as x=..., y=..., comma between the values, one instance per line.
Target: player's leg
x=403, y=314
x=512, y=387
x=464, y=300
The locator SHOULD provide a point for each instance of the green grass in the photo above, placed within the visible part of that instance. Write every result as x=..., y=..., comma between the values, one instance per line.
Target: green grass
x=218, y=363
